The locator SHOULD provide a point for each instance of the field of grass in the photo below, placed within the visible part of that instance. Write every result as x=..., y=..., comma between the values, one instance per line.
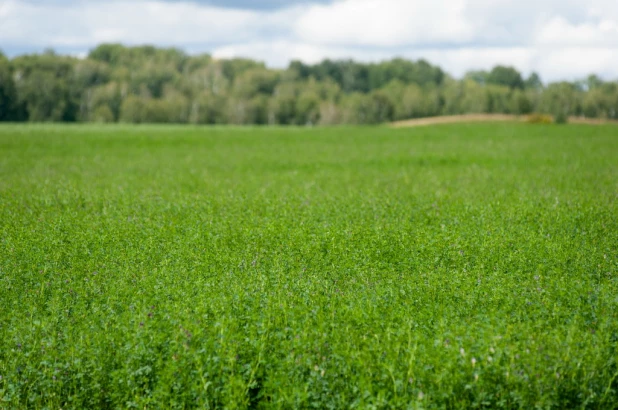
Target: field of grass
x=453, y=266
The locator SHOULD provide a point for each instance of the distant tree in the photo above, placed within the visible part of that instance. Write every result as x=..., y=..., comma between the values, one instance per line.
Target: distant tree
x=255, y=81
x=411, y=100
x=89, y=73
x=330, y=113
x=476, y=98
x=110, y=95
x=533, y=82
x=561, y=100
x=420, y=73
x=592, y=104
x=208, y=108
x=499, y=99
x=197, y=62
x=209, y=78
x=505, y=76
x=259, y=109
x=236, y=66
x=43, y=87
x=86, y=76
x=478, y=76
x=299, y=70
x=307, y=108
x=593, y=82
x=151, y=79
x=371, y=108
x=283, y=104
x=349, y=75
x=135, y=57
x=175, y=105
x=102, y=114
x=108, y=53
x=452, y=98
x=413, y=103
x=137, y=110
x=8, y=92
x=133, y=110
x=521, y=103
x=601, y=101
x=151, y=84
x=247, y=111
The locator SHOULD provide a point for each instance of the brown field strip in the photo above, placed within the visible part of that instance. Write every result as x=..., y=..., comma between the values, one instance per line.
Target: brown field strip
x=469, y=118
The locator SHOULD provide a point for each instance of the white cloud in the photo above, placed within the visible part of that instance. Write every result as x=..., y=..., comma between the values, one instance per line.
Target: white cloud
x=278, y=53
x=562, y=33
x=572, y=62
x=385, y=23
x=158, y=22
x=562, y=39
x=460, y=22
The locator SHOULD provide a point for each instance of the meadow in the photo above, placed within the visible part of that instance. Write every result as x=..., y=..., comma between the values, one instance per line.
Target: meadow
x=448, y=266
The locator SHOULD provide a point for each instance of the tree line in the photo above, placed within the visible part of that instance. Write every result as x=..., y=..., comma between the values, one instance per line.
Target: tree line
x=147, y=84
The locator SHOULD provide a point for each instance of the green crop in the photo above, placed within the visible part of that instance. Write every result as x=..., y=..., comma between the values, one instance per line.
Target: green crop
x=455, y=266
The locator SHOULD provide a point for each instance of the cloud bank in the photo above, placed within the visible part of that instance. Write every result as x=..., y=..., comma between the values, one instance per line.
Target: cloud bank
x=560, y=39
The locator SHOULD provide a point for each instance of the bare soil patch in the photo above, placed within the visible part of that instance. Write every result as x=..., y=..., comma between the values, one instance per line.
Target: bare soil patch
x=469, y=118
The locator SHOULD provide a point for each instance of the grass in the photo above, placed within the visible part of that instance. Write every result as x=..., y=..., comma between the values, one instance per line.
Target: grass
x=454, y=266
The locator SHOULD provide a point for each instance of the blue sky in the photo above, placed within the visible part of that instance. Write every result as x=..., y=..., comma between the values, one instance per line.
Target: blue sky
x=560, y=39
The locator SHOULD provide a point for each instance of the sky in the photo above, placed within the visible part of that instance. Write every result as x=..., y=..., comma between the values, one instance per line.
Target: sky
x=559, y=39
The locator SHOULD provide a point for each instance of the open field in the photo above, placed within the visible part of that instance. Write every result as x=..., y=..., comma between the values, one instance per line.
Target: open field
x=452, y=266
x=474, y=118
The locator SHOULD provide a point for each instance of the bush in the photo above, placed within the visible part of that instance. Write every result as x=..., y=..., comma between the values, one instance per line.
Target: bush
x=102, y=114
x=540, y=119
x=561, y=118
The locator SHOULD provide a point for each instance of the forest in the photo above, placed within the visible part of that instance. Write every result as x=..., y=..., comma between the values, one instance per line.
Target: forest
x=147, y=84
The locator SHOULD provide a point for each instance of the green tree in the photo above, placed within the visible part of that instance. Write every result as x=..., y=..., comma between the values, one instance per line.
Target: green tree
x=8, y=93
x=452, y=97
x=208, y=108
x=411, y=100
x=499, y=100
x=110, y=95
x=505, y=76
x=476, y=98
x=478, y=76
x=133, y=110
x=372, y=108
x=254, y=81
x=102, y=114
x=282, y=106
x=151, y=84
x=561, y=100
x=533, y=82
x=521, y=103
x=43, y=87
x=208, y=78
x=420, y=73
x=330, y=113
x=308, y=108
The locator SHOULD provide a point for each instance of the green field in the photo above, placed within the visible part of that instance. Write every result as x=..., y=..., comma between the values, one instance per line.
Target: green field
x=453, y=266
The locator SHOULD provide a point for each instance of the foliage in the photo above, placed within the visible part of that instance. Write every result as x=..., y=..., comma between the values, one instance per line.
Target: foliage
x=533, y=82
x=537, y=118
x=561, y=118
x=51, y=87
x=456, y=266
x=8, y=95
x=505, y=76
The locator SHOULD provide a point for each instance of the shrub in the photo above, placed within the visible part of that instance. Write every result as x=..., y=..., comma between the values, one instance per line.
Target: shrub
x=540, y=119
x=561, y=118
x=103, y=114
